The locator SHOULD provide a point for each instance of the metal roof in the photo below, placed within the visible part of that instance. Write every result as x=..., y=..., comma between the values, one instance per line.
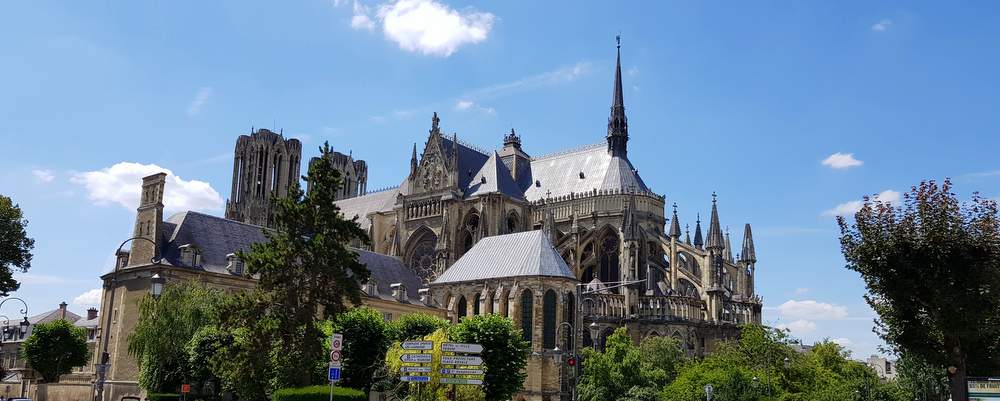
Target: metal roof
x=493, y=177
x=361, y=206
x=582, y=170
x=511, y=255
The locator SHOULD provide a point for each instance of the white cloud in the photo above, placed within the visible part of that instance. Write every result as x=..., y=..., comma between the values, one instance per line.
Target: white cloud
x=810, y=309
x=800, y=291
x=464, y=104
x=842, y=341
x=554, y=77
x=89, y=298
x=632, y=71
x=852, y=207
x=122, y=183
x=360, y=19
x=799, y=327
x=842, y=161
x=43, y=175
x=199, y=100
x=882, y=25
x=432, y=28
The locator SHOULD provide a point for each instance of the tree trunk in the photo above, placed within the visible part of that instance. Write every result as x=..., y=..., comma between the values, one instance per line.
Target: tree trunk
x=956, y=358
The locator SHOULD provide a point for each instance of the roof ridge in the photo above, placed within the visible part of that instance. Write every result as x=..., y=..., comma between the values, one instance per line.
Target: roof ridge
x=570, y=150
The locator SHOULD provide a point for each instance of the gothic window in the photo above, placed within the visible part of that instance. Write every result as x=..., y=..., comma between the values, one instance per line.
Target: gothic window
x=466, y=242
x=527, y=316
x=569, y=314
x=610, y=260
x=476, y=307
x=463, y=308
x=512, y=222
x=686, y=288
x=549, y=320
x=588, y=274
x=420, y=258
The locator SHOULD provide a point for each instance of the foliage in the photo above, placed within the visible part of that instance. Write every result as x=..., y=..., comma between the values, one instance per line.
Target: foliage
x=416, y=325
x=932, y=270
x=318, y=393
x=505, y=352
x=163, y=330
x=625, y=371
x=15, y=245
x=921, y=379
x=54, y=348
x=424, y=391
x=242, y=361
x=201, y=350
x=163, y=397
x=367, y=336
x=305, y=268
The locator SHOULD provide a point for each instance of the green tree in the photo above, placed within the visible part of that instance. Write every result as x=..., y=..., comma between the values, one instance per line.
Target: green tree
x=932, y=270
x=416, y=325
x=15, y=245
x=242, y=357
x=505, y=353
x=54, y=348
x=367, y=336
x=921, y=379
x=164, y=327
x=625, y=371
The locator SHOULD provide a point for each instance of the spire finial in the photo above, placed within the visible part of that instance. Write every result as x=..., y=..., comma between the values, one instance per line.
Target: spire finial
x=617, y=122
x=714, y=196
x=675, y=207
x=618, y=39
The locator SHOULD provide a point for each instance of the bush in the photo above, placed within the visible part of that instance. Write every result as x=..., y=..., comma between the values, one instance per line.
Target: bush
x=318, y=393
x=163, y=397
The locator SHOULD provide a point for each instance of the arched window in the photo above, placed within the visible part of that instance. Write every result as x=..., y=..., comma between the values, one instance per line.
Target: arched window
x=420, y=256
x=569, y=316
x=512, y=222
x=475, y=306
x=549, y=320
x=463, y=307
x=609, y=260
x=527, y=309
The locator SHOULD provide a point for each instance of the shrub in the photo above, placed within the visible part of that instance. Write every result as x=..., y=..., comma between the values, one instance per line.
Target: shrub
x=163, y=397
x=318, y=393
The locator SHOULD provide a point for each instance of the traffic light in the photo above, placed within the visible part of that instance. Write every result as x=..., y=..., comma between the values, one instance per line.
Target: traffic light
x=571, y=362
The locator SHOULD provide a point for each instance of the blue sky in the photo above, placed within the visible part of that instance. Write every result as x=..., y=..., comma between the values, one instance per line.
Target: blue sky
x=744, y=98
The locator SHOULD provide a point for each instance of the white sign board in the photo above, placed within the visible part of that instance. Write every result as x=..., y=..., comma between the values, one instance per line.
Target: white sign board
x=336, y=342
x=462, y=348
x=415, y=369
x=461, y=360
x=416, y=379
x=418, y=345
x=417, y=358
x=449, y=371
x=450, y=380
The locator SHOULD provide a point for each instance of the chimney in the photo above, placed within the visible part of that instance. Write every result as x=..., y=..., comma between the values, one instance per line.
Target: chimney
x=62, y=310
x=91, y=313
x=399, y=292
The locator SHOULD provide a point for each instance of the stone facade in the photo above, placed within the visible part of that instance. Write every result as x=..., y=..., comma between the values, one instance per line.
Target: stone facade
x=265, y=165
x=354, y=174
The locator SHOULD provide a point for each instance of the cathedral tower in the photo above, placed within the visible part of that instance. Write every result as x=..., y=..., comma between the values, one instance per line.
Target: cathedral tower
x=265, y=165
x=353, y=173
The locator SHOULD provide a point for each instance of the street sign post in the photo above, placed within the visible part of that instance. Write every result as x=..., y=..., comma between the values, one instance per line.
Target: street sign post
x=333, y=374
x=461, y=360
x=470, y=377
x=418, y=372
x=414, y=369
x=417, y=358
x=462, y=348
x=415, y=379
x=449, y=371
x=452, y=380
x=418, y=345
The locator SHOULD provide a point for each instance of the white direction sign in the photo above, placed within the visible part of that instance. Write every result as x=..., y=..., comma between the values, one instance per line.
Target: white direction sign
x=461, y=360
x=418, y=345
x=415, y=369
x=451, y=380
x=417, y=379
x=417, y=358
x=462, y=348
x=448, y=371
x=336, y=342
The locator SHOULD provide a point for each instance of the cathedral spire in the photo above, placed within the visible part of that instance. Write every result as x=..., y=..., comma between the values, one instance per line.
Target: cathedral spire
x=618, y=123
x=413, y=160
x=675, y=225
x=687, y=234
x=729, y=247
x=748, y=254
x=715, y=239
x=698, y=241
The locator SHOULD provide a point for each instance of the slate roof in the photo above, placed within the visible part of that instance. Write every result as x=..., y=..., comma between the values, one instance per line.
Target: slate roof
x=493, y=177
x=469, y=160
x=215, y=237
x=88, y=323
x=363, y=205
x=511, y=255
x=559, y=174
x=386, y=271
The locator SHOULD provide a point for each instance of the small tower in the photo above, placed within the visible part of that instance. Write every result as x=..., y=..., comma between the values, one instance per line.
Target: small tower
x=748, y=258
x=716, y=246
x=675, y=235
x=699, y=242
x=265, y=166
x=516, y=160
x=353, y=174
x=148, y=219
x=618, y=122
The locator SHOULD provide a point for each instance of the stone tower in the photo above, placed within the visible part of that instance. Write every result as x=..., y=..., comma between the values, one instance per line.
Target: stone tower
x=354, y=174
x=148, y=219
x=265, y=165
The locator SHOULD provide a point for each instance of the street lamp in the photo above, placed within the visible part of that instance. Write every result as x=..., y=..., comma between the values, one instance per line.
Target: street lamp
x=157, y=288
x=23, y=326
x=594, y=331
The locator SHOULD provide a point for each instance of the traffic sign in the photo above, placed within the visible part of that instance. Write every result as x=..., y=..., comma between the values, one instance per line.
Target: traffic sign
x=451, y=380
x=336, y=342
x=418, y=345
x=415, y=369
x=461, y=360
x=462, y=348
x=334, y=374
x=417, y=358
x=185, y=388
x=334, y=356
x=449, y=371
x=417, y=379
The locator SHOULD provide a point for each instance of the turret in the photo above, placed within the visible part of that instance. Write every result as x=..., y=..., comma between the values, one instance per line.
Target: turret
x=413, y=161
x=698, y=241
x=148, y=219
x=675, y=225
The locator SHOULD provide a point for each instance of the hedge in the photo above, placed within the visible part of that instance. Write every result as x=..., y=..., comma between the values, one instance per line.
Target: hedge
x=163, y=397
x=318, y=393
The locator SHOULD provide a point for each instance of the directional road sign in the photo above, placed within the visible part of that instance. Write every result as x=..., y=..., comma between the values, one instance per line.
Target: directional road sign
x=448, y=371
x=417, y=379
x=418, y=345
x=462, y=348
x=417, y=358
x=334, y=374
x=415, y=369
x=451, y=380
x=461, y=360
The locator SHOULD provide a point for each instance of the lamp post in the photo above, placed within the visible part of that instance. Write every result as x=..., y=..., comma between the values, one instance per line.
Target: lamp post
x=103, y=364
x=595, y=330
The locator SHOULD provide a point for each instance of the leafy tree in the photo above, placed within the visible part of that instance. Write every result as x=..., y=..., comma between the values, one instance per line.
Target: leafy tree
x=367, y=336
x=163, y=330
x=416, y=325
x=921, y=379
x=625, y=371
x=15, y=245
x=242, y=357
x=54, y=348
x=505, y=353
x=932, y=270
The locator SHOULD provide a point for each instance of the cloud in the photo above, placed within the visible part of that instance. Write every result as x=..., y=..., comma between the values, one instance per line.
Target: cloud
x=554, y=77
x=199, y=100
x=882, y=25
x=122, y=183
x=800, y=291
x=842, y=341
x=464, y=105
x=360, y=19
x=43, y=175
x=842, y=161
x=800, y=326
x=852, y=207
x=432, y=28
x=89, y=298
x=632, y=71
x=810, y=309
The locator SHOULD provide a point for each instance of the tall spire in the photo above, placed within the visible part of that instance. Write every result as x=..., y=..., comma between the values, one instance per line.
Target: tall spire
x=413, y=160
x=618, y=123
x=675, y=225
x=729, y=247
x=748, y=254
x=715, y=239
x=698, y=241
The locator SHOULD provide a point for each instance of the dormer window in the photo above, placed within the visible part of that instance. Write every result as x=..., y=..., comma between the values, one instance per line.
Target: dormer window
x=371, y=288
x=234, y=265
x=190, y=255
x=399, y=292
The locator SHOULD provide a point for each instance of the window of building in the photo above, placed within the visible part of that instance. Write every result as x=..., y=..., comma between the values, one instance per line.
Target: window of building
x=475, y=306
x=549, y=320
x=387, y=316
x=527, y=316
x=463, y=307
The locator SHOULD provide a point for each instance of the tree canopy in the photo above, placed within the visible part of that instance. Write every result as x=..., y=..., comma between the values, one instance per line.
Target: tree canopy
x=15, y=245
x=54, y=348
x=367, y=336
x=625, y=371
x=932, y=270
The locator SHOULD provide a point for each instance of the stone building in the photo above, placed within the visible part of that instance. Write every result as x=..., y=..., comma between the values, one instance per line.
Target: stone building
x=265, y=164
x=354, y=174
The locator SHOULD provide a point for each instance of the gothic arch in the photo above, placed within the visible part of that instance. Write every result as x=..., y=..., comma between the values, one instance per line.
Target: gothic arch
x=549, y=302
x=527, y=314
x=421, y=252
x=609, y=256
x=513, y=222
x=463, y=307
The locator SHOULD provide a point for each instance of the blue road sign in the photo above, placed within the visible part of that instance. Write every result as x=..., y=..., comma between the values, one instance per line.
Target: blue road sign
x=334, y=374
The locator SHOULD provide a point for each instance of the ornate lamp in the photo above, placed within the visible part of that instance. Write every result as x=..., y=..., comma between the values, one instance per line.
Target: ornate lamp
x=157, y=288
